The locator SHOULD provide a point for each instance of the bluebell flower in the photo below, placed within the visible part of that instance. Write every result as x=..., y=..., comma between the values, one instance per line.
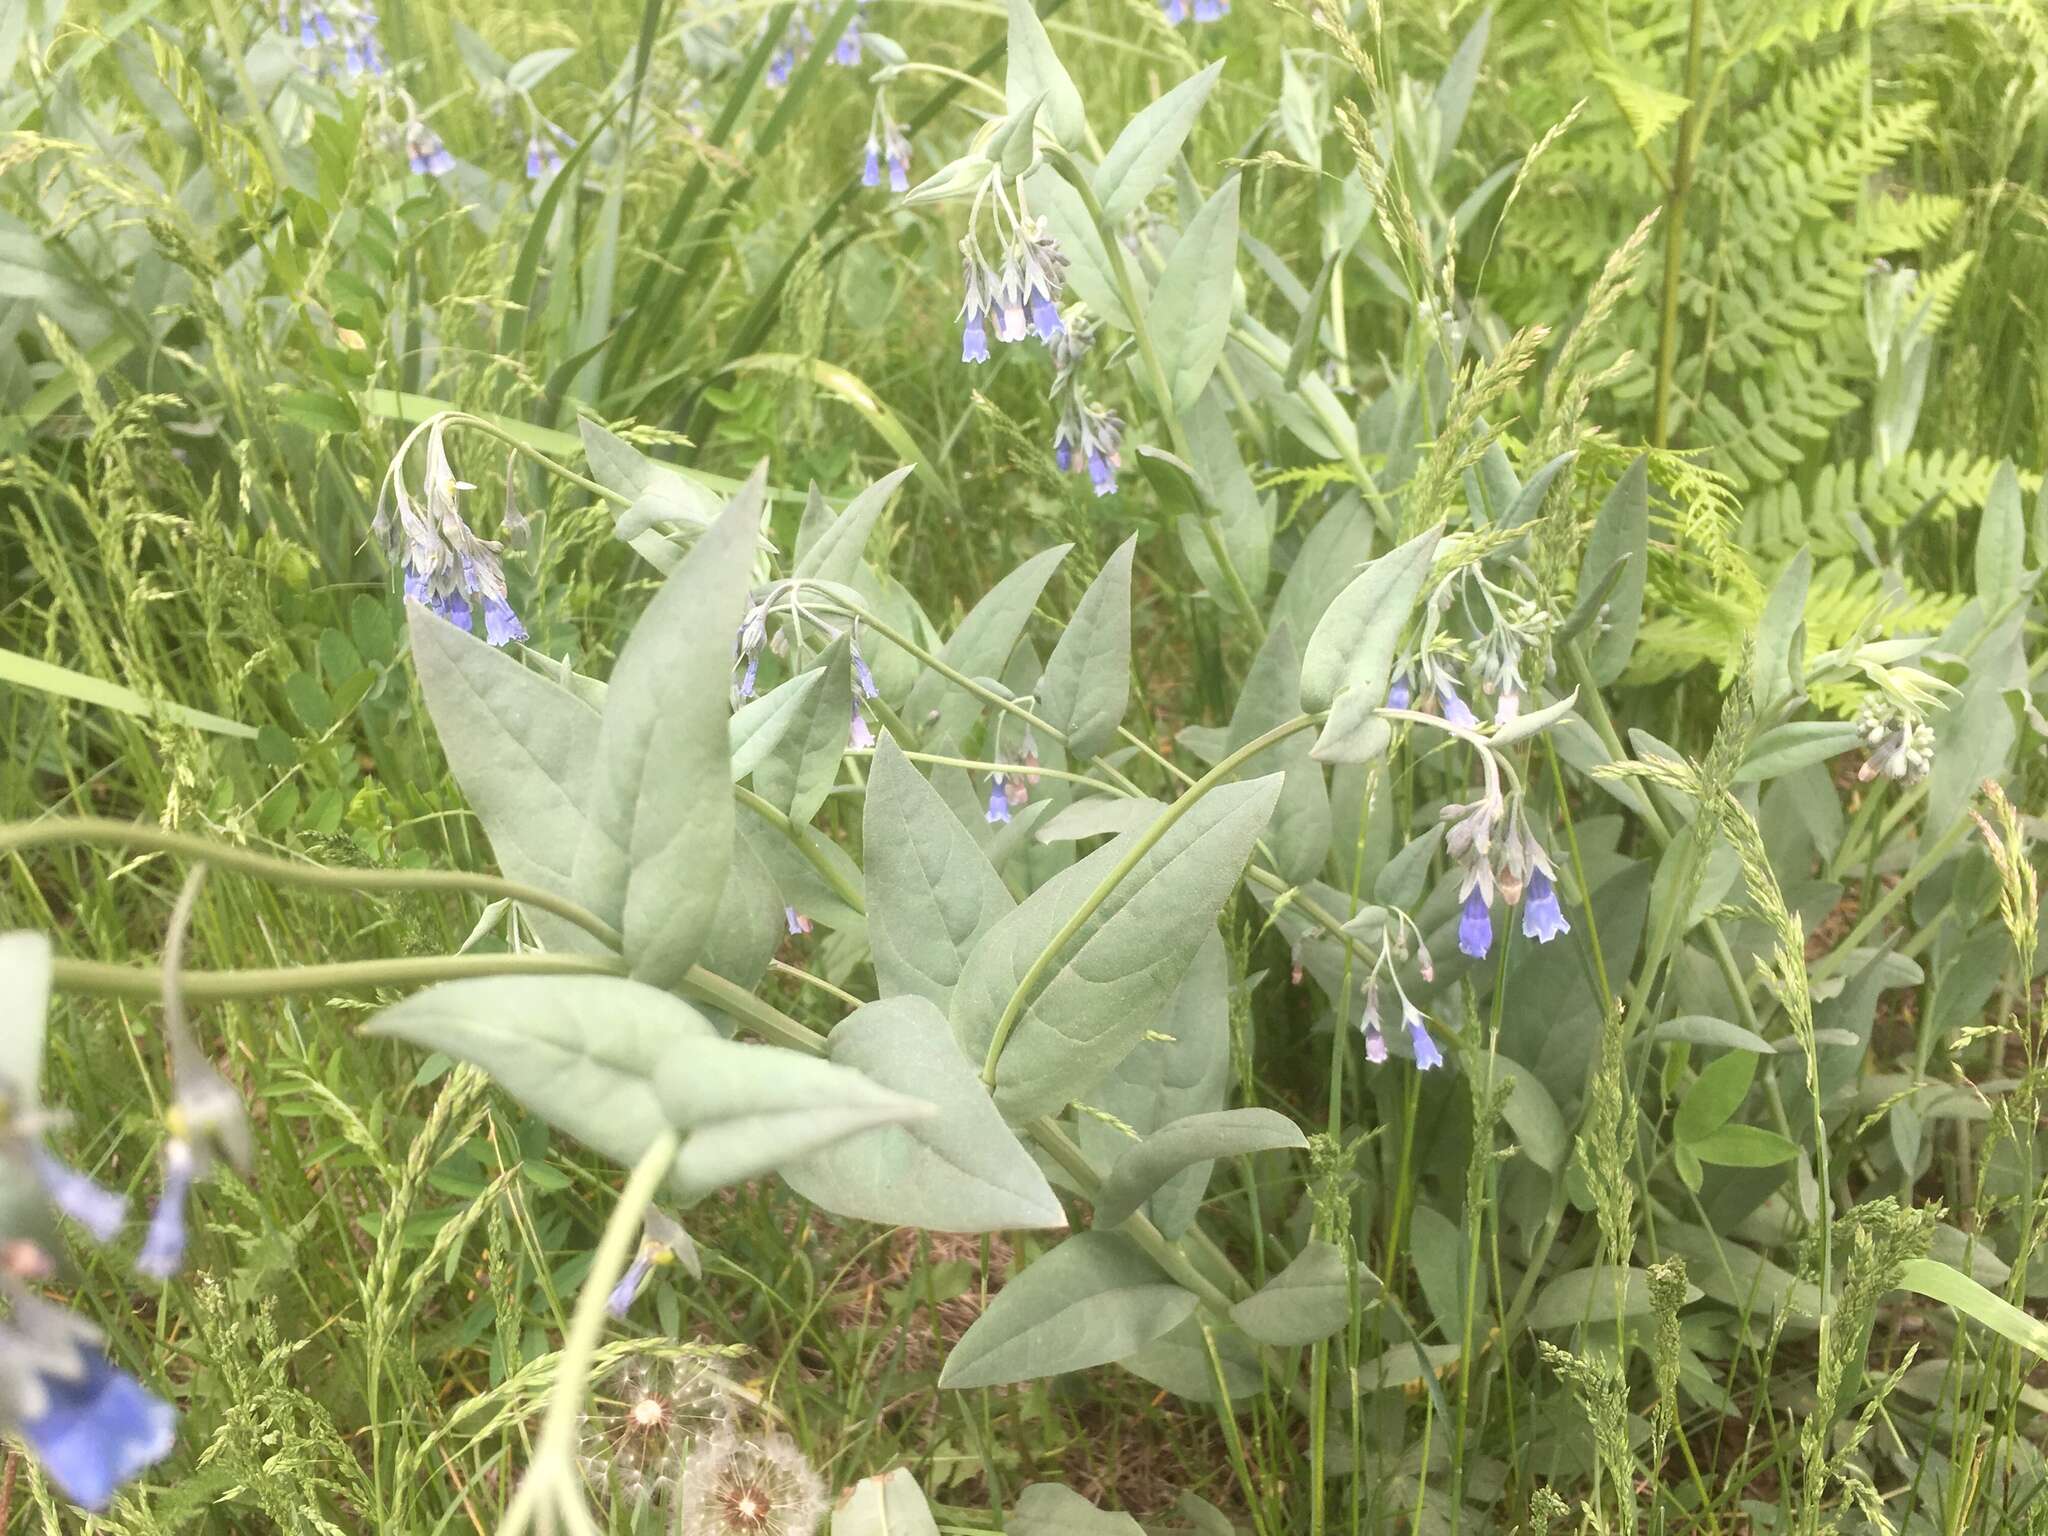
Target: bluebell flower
x=453, y=607
x=425, y=152
x=1456, y=710
x=1375, y=1042
x=541, y=159
x=1475, y=927
x=1063, y=447
x=163, y=1248
x=796, y=921
x=99, y=1210
x=1176, y=11
x=1401, y=694
x=1045, y=317
x=847, y=50
x=897, y=153
x=501, y=624
x=863, y=679
x=1427, y=1055
x=1102, y=471
x=1542, y=918
x=96, y=1428
x=749, y=677
x=1211, y=10
x=620, y=1301
x=780, y=68
x=998, y=801
x=974, y=338
x=871, y=167
x=857, y=732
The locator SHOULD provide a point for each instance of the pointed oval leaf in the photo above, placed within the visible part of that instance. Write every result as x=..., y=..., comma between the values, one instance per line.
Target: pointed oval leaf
x=520, y=748
x=1621, y=533
x=836, y=555
x=931, y=892
x=799, y=773
x=748, y=1108
x=1149, y=144
x=1184, y=1144
x=1048, y=1509
x=1035, y=71
x=1087, y=683
x=1114, y=975
x=579, y=1051
x=1189, y=315
x=1308, y=1300
x=1094, y=1299
x=980, y=647
x=654, y=857
x=960, y=1170
x=889, y=1505
x=1353, y=643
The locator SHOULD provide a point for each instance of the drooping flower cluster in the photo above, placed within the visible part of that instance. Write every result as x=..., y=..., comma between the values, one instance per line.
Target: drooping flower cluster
x=1899, y=745
x=1512, y=865
x=799, y=37
x=888, y=147
x=1089, y=435
x=337, y=39
x=447, y=567
x=648, y=1420
x=425, y=154
x=1018, y=294
x=1178, y=11
x=545, y=143
x=1393, y=950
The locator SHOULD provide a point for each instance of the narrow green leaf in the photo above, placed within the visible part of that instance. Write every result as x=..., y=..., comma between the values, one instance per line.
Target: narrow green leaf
x=1714, y=1097
x=1793, y=745
x=1092, y=1300
x=980, y=647
x=1743, y=1146
x=1034, y=71
x=2001, y=539
x=1779, y=672
x=1597, y=1294
x=1349, y=661
x=1950, y=1286
x=47, y=677
x=836, y=556
x=1620, y=532
x=799, y=773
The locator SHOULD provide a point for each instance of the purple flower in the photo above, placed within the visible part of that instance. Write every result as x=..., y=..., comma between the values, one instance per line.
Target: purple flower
x=748, y=677
x=1375, y=1042
x=1063, y=452
x=899, y=162
x=1045, y=318
x=1427, y=1055
x=1542, y=918
x=857, y=731
x=453, y=607
x=1102, y=471
x=425, y=152
x=974, y=338
x=1176, y=11
x=163, y=1249
x=501, y=624
x=998, y=802
x=1456, y=710
x=535, y=165
x=847, y=50
x=871, y=168
x=796, y=921
x=1401, y=695
x=1475, y=928
x=620, y=1302
x=863, y=678
x=779, y=68
x=100, y=1211
x=97, y=1428
x=1211, y=10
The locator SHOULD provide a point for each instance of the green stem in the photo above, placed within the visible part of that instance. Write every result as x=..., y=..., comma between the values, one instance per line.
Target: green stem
x=99, y=978
x=1155, y=371
x=105, y=831
x=1689, y=132
x=1161, y=825
x=552, y=466
x=802, y=839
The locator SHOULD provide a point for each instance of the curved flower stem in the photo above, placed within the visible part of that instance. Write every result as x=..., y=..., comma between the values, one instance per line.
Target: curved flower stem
x=108, y=832
x=802, y=838
x=1155, y=373
x=99, y=978
x=554, y=1456
x=974, y=765
x=1161, y=825
x=528, y=451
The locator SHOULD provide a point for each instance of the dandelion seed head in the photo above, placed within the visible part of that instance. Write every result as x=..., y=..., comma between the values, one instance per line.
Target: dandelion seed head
x=638, y=1432
x=751, y=1487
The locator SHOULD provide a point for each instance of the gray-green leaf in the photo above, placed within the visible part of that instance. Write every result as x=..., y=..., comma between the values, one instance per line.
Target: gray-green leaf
x=1148, y=145
x=931, y=892
x=1620, y=532
x=1189, y=315
x=837, y=553
x=1092, y=1300
x=798, y=774
x=980, y=647
x=1110, y=980
x=655, y=855
x=1349, y=661
x=960, y=1170
x=889, y=1505
x=1035, y=71
x=1186, y=1143
x=1087, y=683
x=1308, y=1300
